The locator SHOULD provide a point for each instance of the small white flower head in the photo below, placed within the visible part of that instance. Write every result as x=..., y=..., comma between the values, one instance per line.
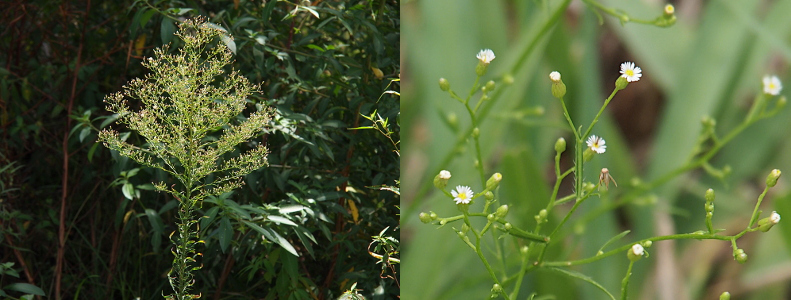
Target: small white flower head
x=775, y=217
x=462, y=194
x=635, y=253
x=638, y=250
x=631, y=72
x=597, y=144
x=772, y=85
x=669, y=9
x=444, y=174
x=554, y=76
x=486, y=56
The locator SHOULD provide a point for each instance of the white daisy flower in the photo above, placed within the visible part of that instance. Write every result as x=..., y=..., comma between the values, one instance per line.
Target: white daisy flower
x=631, y=72
x=772, y=85
x=462, y=194
x=597, y=144
x=486, y=56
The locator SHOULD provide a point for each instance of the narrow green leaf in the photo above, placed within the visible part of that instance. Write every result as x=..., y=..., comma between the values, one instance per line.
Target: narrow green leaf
x=225, y=234
x=155, y=220
x=584, y=278
x=273, y=236
x=303, y=238
x=281, y=220
x=25, y=288
x=613, y=239
x=146, y=16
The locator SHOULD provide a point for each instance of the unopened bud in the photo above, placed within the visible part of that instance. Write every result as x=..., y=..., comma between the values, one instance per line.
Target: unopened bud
x=508, y=79
x=740, y=256
x=725, y=296
x=710, y=195
x=424, y=217
x=524, y=250
x=588, y=154
x=502, y=211
x=771, y=180
x=560, y=145
x=494, y=181
x=444, y=84
x=489, y=86
x=441, y=180
x=766, y=223
x=489, y=195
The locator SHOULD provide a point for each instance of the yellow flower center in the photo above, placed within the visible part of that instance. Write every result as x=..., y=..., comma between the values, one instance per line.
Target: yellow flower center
x=629, y=73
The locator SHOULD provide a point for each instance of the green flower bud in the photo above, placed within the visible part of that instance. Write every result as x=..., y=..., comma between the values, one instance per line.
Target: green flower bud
x=508, y=226
x=524, y=250
x=441, y=180
x=635, y=253
x=480, y=69
x=465, y=228
x=740, y=256
x=541, y=217
x=494, y=181
x=771, y=180
x=491, y=218
x=621, y=83
x=766, y=223
x=489, y=86
x=424, y=217
x=496, y=289
x=489, y=195
x=443, y=222
x=588, y=187
x=647, y=244
x=508, y=79
x=453, y=121
x=560, y=145
x=781, y=103
x=502, y=211
x=433, y=215
x=558, y=87
x=710, y=195
x=476, y=132
x=709, y=206
x=588, y=154
x=725, y=296
x=444, y=84
x=708, y=122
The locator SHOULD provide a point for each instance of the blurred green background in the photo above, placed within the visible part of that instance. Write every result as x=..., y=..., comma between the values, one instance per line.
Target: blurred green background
x=710, y=63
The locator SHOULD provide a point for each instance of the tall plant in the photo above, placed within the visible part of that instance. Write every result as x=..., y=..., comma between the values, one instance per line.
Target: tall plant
x=186, y=106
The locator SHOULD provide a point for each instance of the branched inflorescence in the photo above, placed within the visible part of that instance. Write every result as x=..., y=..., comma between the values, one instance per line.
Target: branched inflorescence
x=186, y=107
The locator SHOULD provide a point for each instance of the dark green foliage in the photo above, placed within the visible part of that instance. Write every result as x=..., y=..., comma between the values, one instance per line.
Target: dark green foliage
x=319, y=75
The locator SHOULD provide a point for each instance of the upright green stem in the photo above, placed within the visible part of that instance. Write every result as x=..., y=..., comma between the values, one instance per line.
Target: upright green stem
x=754, y=217
x=625, y=281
